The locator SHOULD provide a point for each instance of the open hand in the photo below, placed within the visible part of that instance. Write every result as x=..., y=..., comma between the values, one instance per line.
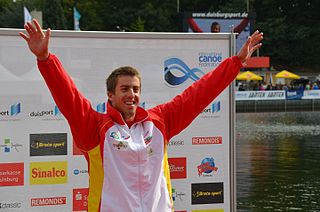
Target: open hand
x=250, y=46
x=37, y=41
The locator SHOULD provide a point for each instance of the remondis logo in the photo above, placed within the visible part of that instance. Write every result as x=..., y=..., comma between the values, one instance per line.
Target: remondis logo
x=177, y=72
x=48, y=172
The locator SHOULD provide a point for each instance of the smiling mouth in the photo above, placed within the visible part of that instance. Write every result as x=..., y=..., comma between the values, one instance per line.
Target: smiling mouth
x=130, y=103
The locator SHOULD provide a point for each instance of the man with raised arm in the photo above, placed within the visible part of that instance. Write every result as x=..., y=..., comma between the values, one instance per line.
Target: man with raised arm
x=126, y=148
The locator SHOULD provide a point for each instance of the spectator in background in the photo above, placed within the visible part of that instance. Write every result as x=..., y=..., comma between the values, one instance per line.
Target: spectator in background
x=315, y=86
x=308, y=86
x=215, y=27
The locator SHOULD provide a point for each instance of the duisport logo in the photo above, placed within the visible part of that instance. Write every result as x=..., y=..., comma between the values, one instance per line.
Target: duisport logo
x=47, y=114
x=206, y=167
x=10, y=146
x=14, y=110
x=215, y=107
x=177, y=72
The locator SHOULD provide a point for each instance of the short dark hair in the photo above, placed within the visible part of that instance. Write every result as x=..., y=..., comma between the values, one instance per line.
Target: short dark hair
x=213, y=25
x=112, y=80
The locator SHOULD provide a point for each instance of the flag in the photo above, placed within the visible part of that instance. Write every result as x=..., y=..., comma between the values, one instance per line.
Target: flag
x=76, y=17
x=27, y=15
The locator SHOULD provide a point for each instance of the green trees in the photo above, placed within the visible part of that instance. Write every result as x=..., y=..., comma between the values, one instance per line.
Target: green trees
x=292, y=30
x=291, y=27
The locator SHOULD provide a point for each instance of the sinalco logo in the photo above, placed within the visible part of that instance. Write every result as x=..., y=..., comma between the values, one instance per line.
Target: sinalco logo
x=14, y=110
x=177, y=72
x=209, y=59
x=9, y=146
x=48, y=172
x=101, y=107
x=207, y=167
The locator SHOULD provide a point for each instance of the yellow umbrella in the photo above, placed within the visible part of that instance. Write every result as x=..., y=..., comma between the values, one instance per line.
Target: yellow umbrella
x=288, y=75
x=248, y=75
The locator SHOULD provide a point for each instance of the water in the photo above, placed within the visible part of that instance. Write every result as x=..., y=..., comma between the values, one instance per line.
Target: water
x=278, y=162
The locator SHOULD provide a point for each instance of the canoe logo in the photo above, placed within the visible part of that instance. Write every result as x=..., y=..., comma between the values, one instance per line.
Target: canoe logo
x=177, y=72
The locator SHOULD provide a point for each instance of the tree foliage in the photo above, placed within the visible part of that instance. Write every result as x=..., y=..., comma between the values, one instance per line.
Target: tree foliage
x=291, y=27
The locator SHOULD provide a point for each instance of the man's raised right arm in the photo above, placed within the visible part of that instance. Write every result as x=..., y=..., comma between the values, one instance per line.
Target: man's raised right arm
x=76, y=108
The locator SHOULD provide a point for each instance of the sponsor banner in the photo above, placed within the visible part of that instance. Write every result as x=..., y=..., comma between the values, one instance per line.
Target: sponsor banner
x=48, y=144
x=294, y=94
x=47, y=113
x=173, y=143
x=11, y=112
x=311, y=94
x=260, y=95
x=7, y=205
x=176, y=72
x=207, y=167
x=48, y=201
x=80, y=199
x=80, y=171
x=206, y=193
x=165, y=74
x=9, y=146
x=178, y=168
x=178, y=195
x=206, y=140
x=212, y=111
x=48, y=172
x=11, y=174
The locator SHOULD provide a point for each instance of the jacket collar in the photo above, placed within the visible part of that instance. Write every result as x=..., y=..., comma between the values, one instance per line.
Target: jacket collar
x=141, y=114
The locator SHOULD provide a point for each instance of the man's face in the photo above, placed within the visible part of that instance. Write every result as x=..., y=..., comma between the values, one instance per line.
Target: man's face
x=126, y=96
x=215, y=29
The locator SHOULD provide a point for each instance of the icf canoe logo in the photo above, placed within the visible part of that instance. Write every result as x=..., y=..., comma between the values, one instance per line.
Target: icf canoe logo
x=177, y=72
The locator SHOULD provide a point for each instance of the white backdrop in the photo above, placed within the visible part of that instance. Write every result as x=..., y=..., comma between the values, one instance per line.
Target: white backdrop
x=40, y=169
